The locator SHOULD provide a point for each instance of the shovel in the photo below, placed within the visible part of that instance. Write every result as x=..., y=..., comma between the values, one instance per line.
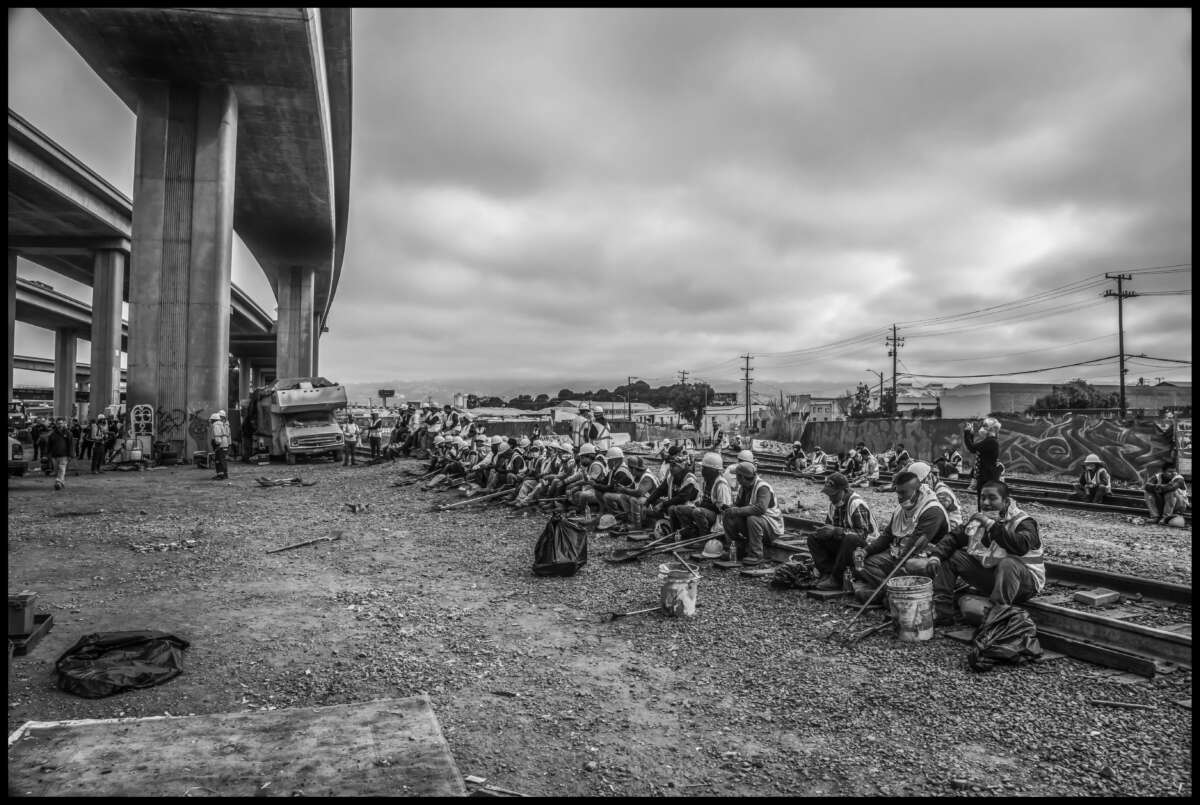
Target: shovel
x=441, y=507
x=625, y=554
x=612, y=616
x=833, y=634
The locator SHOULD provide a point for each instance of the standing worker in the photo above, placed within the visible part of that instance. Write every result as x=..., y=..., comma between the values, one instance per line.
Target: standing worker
x=375, y=434
x=248, y=428
x=219, y=439
x=97, y=435
x=350, y=440
x=987, y=453
x=58, y=450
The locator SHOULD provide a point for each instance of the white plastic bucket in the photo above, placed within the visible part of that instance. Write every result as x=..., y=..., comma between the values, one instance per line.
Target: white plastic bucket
x=680, y=586
x=910, y=599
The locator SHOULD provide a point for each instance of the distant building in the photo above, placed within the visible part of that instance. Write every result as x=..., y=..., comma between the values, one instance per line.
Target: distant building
x=981, y=399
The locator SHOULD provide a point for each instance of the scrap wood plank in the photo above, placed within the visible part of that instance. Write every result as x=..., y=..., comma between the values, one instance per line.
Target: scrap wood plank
x=386, y=747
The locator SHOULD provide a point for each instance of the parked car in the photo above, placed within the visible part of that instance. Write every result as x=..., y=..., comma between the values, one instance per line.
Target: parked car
x=16, y=457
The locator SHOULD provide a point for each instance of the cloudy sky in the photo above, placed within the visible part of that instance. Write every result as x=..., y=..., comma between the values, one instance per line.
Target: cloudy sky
x=601, y=193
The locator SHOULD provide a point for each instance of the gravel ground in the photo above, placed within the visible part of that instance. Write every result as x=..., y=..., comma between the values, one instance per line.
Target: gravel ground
x=532, y=691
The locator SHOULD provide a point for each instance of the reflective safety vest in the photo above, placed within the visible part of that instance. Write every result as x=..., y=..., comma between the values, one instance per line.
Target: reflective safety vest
x=374, y=428
x=1098, y=478
x=625, y=476
x=773, y=515
x=643, y=488
x=603, y=438
x=220, y=433
x=852, y=503
x=708, y=499
x=872, y=468
x=903, y=526
x=949, y=501
x=990, y=556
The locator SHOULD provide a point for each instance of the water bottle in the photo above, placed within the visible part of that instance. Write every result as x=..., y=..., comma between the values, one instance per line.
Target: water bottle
x=848, y=581
x=733, y=551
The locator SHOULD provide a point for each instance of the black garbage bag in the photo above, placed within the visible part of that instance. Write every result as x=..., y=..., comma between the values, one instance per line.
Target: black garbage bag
x=561, y=549
x=1007, y=635
x=105, y=663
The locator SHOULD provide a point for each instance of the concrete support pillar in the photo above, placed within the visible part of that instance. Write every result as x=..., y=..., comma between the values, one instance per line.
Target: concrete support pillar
x=12, y=318
x=80, y=409
x=316, y=339
x=244, y=381
x=295, y=334
x=107, y=287
x=66, y=353
x=180, y=257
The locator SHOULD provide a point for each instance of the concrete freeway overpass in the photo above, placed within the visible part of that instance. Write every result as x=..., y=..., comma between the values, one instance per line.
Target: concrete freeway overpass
x=243, y=122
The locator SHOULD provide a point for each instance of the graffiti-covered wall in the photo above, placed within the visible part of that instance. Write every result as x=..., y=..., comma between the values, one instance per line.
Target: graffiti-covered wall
x=1042, y=445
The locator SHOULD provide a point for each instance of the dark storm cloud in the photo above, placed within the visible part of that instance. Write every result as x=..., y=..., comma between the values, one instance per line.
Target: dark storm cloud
x=593, y=192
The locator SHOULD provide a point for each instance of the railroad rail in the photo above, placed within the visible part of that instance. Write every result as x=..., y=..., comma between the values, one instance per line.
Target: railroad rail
x=1050, y=493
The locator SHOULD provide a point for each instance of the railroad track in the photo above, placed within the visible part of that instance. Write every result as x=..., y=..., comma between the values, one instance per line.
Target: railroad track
x=1147, y=633
x=1050, y=493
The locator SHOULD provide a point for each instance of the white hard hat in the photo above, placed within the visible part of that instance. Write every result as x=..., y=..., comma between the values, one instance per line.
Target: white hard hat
x=746, y=455
x=1177, y=521
x=607, y=521
x=523, y=441
x=1092, y=458
x=538, y=443
x=214, y=417
x=614, y=452
x=585, y=407
x=460, y=441
x=597, y=410
x=712, y=460
x=713, y=549
x=920, y=469
x=504, y=447
x=439, y=439
x=587, y=449
x=495, y=440
x=479, y=437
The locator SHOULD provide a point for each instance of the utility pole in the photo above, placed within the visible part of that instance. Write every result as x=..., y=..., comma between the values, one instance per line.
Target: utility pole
x=683, y=373
x=893, y=344
x=628, y=409
x=747, y=371
x=1121, y=295
x=872, y=371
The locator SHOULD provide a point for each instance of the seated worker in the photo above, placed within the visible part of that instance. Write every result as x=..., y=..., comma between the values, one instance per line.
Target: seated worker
x=679, y=490
x=455, y=469
x=539, y=459
x=580, y=486
x=483, y=467
x=870, y=469
x=918, y=522
x=817, y=459
x=945, y=495
x=395, y=446
x=851, y=466
x=647, y=482
x=618, y=490
x=731, y=470
x=498, y=476
x=715, y=498
x=949, y=463
x=1001, y=557
x=564, y=468
x=902, y=460
x=848, y=527
x=1094, y=484
x=796, y=461
x=1166, y=494
x=754, y=516
x=437, y=455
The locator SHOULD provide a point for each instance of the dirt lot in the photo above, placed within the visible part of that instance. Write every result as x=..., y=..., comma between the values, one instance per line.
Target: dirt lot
x=531, y=690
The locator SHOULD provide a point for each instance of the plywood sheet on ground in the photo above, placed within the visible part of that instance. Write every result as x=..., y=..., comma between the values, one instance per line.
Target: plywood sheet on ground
x=386, y=747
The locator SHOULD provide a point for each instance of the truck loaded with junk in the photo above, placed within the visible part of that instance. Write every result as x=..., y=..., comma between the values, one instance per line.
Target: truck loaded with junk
x=295, y=417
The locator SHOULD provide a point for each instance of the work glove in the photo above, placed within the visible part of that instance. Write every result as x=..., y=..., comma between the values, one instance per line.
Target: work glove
x=932, y=565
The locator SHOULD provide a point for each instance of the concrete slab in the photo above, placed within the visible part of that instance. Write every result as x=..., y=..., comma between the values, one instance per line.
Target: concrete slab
x=386, y=747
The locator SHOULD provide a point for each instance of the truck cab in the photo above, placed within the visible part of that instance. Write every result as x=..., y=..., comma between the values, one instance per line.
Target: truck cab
x=296, y=417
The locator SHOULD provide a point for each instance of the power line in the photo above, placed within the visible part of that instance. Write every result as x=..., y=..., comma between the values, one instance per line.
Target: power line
x=1027, y=352
x=1023, y=372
